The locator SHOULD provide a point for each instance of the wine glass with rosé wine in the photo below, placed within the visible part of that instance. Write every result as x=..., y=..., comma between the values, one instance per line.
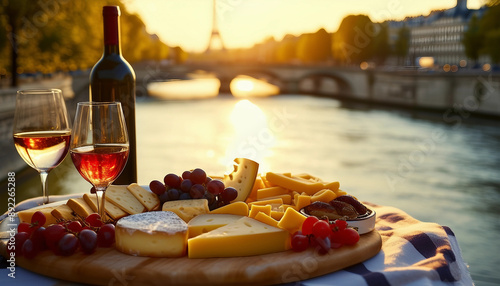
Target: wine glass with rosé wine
x=99, y=147
x=42, y=131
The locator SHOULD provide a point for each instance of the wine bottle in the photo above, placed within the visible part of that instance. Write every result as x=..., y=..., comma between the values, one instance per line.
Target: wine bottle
x=113, y=79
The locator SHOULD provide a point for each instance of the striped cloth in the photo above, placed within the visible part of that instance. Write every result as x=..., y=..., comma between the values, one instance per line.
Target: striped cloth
x=413, y=253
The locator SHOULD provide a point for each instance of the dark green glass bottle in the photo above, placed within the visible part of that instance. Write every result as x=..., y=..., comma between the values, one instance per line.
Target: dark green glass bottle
x=113, y=79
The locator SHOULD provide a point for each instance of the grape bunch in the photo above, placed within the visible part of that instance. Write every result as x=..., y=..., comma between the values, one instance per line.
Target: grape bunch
x=63, y=238
x=323, y=235
x=193, y=184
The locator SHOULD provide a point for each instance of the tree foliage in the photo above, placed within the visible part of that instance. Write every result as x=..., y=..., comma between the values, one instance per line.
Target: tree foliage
x=61, y=35
x=472, y=39
x=489, y=27
x=402, y=43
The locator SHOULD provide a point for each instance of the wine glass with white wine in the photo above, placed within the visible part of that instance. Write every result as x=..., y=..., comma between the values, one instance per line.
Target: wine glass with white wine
x=42, y=131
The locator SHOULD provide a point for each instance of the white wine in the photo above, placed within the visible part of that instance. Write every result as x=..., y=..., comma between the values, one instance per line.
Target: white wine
x=113, y=79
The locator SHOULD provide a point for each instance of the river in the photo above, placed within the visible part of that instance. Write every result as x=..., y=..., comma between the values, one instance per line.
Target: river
x=437, y=167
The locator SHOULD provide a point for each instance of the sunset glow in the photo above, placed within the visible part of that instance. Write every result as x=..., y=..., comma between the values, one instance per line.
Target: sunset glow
x=242, y=23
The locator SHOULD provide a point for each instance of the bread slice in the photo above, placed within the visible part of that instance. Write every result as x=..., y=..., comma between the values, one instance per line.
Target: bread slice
x=123, y=198
x=148, y=199
x=112, y=210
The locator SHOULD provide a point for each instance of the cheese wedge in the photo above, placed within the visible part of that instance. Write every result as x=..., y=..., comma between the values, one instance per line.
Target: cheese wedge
x=123, y=198
x=148, y=199
x=242, y=178
x=187, y=209
x=244, y=237
x=236, y=208
x=208, y=222
x=153, y=234
x=80, y=207
x=64, y=212
x=25, y=215
x=112, y=211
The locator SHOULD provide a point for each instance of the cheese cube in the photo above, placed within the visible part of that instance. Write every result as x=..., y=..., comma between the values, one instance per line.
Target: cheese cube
x=266, y=202
x=292, y=220
x=208, y=222
x=258, y=208
x=334, y=186
x=302, y=201
x=187, y=209
x=244, y=237
x=154, y=234
x=262, y=217
x=277, y=215
x=236, y=208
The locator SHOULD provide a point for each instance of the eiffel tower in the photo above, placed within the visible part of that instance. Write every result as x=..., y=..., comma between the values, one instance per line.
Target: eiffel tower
x=215, y=42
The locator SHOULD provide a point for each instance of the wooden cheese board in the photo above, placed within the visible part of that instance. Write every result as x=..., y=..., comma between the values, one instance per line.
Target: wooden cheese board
x=109, y=267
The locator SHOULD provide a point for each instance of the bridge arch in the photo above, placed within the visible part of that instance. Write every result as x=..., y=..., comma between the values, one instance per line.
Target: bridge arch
x=324, y=83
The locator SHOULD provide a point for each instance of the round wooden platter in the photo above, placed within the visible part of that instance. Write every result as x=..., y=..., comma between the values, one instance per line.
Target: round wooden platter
x=108, y=266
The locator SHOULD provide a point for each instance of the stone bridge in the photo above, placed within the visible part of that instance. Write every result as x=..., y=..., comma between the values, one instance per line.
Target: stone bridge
x=469, y=90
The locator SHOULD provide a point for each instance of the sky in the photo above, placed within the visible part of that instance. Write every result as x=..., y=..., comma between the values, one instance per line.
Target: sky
x=242, y=23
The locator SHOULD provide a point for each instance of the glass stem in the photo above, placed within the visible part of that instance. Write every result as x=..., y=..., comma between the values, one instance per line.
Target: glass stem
x=45, y=195
x=100, y=202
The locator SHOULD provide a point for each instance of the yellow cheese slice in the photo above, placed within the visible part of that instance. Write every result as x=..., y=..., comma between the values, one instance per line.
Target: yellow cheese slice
x=187, y=209
x=236, y=208
x=244, y=237
x=148, y=199
x=112, y=211
x=123, y=198
x=25, y=215
x=64, y=212
x=259, y=208
x=271, y=192
x=292, y=220
x=262, y=217
x=242, y=178
x=295, y=183
x=208, y=222
x=80, y=207
x=324, y=195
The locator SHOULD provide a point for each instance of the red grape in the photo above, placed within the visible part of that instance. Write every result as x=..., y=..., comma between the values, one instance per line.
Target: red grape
x=20, y=237
x=307, y=225
x=349, y=236
x=321, y=229
x=29, y=250
x=173, y=194
x=106, y=235
x=172, y=180
x=229, y=194
x=324, y=244
x=198, y=176
x=88, y=240
x=52, y=234
x=38, y=239
x=341, y=224
x=186, y=185
x=68, y=244
x=186, y=175
x=74, y=226
x=157, y=187
x=197, y=191
x=94, y=220
x=300, y=242
x=215, y=187
x=24, y=227
x=38, y=218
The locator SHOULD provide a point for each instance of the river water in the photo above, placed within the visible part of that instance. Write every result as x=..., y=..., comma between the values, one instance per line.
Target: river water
x=441, y=168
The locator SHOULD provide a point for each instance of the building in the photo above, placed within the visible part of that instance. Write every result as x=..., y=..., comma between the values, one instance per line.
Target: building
x=438, y=35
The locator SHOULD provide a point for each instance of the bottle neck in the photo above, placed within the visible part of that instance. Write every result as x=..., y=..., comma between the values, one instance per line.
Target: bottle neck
x=111, y=34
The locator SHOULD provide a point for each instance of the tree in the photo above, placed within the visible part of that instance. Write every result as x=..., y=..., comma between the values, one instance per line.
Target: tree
x=354, y=40
x=473, y=40
x=381, y=47
x=490, y=30
x=402, y=43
